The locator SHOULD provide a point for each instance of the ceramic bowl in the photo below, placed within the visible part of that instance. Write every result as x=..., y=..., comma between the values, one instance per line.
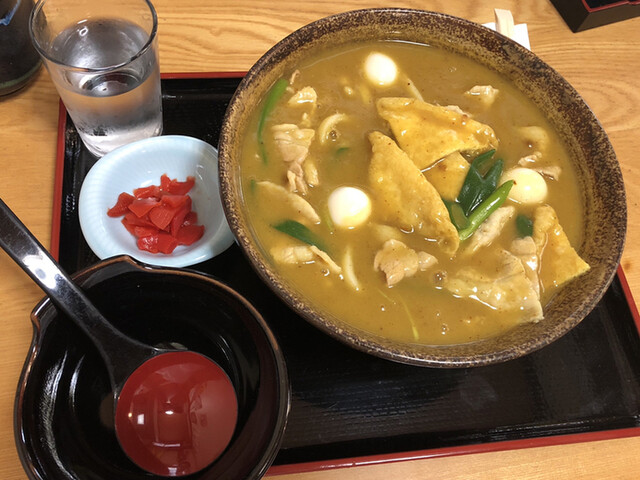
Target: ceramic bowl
x=64, y=408
x=590, y=150
x=141, y=164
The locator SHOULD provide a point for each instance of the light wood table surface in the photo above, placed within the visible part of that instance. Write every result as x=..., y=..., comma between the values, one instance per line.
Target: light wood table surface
x=603, y=64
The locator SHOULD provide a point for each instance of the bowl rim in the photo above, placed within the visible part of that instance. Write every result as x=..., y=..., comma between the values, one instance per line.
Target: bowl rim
x=433, y=356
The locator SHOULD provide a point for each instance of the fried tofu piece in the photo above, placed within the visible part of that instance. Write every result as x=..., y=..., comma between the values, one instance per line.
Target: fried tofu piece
x=448, y=175
x=505, y=289
x=404, y=197
x=385, y=232
x=429, y=132
x=559, y=262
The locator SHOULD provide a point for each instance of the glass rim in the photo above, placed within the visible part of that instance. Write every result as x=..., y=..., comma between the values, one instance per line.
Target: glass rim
x=44, y=54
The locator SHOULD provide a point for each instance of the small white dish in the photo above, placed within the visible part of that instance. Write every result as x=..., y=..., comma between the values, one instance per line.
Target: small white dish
x=140, y=164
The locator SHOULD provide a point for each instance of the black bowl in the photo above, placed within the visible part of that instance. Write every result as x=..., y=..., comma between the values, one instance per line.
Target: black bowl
x=64, y=413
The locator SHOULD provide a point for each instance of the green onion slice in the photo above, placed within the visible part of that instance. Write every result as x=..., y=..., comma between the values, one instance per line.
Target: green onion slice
x=273, y=96
x=300, y=232
x=524, y=225
x=486, y=208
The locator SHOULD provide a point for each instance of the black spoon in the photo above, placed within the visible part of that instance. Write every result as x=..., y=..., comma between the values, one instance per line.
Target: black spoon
x=175, y=410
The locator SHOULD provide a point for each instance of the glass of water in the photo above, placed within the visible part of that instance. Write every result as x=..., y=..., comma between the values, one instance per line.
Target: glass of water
x=102, y=56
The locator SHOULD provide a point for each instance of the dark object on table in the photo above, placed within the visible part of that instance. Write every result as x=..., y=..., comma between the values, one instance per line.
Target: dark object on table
x=585, y=14
x=19, y=61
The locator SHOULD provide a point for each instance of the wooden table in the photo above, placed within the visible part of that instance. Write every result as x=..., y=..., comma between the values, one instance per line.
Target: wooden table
x=603, y=64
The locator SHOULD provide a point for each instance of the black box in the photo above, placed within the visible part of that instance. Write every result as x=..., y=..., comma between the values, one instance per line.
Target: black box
x=584, y=14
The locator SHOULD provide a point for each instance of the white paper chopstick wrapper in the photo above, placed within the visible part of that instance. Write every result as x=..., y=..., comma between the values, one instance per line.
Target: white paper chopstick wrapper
x=504, y=25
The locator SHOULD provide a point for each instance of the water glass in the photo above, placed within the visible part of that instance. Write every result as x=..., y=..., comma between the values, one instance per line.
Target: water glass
x=102, y=56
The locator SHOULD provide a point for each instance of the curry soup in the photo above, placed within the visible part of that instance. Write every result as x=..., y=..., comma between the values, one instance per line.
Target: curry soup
x=342, y=106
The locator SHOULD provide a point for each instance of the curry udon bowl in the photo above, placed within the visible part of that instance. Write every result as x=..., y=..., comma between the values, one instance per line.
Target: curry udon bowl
x=598, y=184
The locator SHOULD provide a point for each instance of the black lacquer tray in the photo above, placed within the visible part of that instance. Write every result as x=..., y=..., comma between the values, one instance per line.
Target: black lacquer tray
x=349, y=407
x=582, y=15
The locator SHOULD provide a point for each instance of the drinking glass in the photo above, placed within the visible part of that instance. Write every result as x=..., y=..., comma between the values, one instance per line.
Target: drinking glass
x=102, y=56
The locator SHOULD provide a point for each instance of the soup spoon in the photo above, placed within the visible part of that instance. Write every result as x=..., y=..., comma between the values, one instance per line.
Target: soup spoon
x=175, y=410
